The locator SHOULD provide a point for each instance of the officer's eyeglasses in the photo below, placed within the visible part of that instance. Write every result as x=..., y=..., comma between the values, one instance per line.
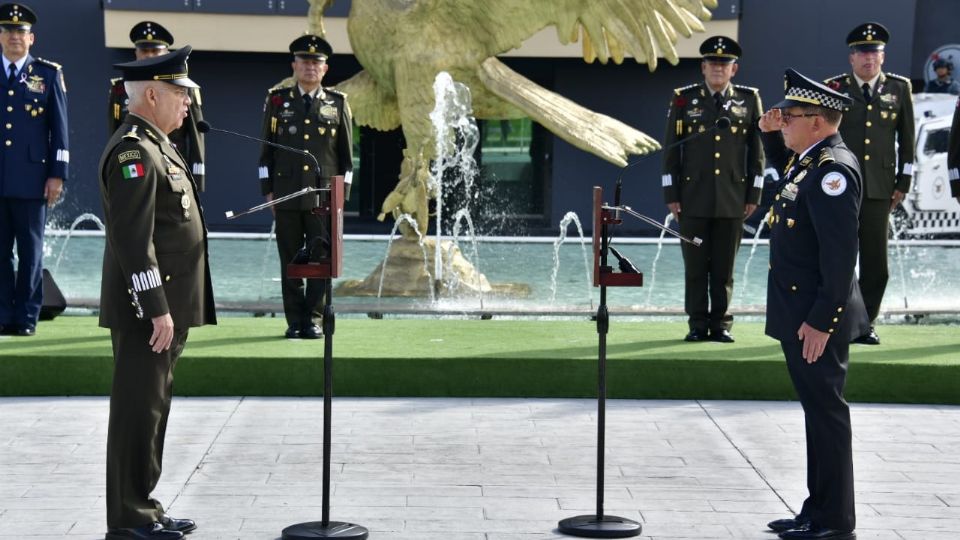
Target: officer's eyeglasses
x=786, y=117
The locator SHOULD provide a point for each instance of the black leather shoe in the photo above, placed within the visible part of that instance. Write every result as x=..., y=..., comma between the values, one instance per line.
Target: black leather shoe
x=292, y=333
x=179, y=525
x=154, y=531
x=780, y=525
x=696, y=335
x=311, y=332
x=8, y=330
x=809, y=531
x=721, y=336
x=27, y=331
x=870, y=338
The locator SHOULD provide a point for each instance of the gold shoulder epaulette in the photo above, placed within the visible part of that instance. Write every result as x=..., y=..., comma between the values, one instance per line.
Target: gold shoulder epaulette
x=277, y=89
x=837, y=77
x=685, y=88
x=50, y=63
x=749, y=89
x=897, y=77
x=335, y=91
x=152, y=135
x=116, y=80
x=132, y=134
x=826, y=156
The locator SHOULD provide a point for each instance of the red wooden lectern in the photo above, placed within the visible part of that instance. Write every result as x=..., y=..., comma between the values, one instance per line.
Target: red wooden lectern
x=599, y=525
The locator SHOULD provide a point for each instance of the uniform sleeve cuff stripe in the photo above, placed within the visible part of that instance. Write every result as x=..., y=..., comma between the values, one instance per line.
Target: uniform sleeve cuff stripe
x=758, y=181
x=264, y=173
x=144, y=281
x=199, y=169
x=348, y=178
x=955, y=174
x=908, y=169
x=667, y=180
x=63, y=155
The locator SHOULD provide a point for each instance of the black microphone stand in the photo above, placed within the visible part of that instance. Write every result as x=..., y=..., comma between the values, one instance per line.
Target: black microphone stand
x=600, y=525
x=324, y=528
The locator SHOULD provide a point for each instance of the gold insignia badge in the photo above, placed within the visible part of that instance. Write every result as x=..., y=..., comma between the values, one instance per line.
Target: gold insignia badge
x=328, y=111
x=790, y=223
x=185, y=201
x=733, y=129
x=800, y=176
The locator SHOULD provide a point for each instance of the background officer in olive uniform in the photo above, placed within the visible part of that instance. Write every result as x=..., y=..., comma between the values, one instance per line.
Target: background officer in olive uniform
x=151, y=39
x=711, y=183
x=953, y=154
x=315, y=119
x=156, y=285
x=878, y=128
x=813, y=301
x=33, y=165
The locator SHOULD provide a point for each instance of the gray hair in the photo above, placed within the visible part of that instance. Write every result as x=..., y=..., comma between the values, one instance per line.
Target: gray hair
x=136, y=90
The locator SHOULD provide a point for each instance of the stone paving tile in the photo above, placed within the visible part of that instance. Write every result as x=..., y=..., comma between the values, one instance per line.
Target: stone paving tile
x=479, y=469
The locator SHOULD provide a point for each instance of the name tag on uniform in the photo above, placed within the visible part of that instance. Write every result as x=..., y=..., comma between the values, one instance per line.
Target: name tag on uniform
x=790, y=192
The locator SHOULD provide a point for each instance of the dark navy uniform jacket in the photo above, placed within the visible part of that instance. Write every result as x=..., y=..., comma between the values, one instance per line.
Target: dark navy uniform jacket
x=33, y=117
x=813, y=241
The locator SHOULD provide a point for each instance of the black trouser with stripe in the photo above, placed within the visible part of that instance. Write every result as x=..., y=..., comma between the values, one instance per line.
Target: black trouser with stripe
x=708, y=270
x=829, y=438
x=139, y=407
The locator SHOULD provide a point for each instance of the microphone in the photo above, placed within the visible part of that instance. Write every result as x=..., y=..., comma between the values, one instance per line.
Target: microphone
x=204, y=127
x=624, y=263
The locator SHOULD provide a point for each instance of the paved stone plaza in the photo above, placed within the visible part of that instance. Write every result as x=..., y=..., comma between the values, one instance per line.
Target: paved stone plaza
x=478, y=469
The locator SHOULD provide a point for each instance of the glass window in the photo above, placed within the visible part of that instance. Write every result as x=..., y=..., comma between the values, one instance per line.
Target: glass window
x=511, y=157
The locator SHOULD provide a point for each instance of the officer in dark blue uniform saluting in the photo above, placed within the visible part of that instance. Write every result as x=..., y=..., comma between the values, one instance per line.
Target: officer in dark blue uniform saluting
x=814, y=306
x=33, y=165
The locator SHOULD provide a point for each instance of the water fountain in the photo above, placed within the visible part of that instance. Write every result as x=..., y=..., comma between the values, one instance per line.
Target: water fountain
x=69, y=233
x=451, y=180
x=656, y=258
x=570, y=217
x=753, y=251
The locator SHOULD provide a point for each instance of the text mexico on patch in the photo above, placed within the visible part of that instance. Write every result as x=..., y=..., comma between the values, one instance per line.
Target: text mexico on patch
x=133, y=170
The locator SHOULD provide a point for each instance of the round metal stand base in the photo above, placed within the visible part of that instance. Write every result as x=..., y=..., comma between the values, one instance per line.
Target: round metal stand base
x=594, y=526
x=334, y=529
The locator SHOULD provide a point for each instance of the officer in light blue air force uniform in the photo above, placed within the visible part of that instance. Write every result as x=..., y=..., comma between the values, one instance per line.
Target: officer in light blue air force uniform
x=33, y=165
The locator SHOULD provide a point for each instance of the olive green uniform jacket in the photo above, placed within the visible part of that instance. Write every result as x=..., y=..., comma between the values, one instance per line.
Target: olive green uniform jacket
x=879, y=133
x=187, y=138
x=713, y=175
x=326, y=131
x=155, y=257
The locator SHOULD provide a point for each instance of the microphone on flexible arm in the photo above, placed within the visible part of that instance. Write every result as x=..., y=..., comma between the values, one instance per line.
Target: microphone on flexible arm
x=204, y=127
x=721, y=124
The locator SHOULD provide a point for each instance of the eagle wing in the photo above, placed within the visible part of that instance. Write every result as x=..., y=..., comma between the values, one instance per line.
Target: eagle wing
x=610, y=29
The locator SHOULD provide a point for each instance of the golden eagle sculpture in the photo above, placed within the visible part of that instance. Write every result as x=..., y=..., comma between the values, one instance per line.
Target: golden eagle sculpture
x=404, y=44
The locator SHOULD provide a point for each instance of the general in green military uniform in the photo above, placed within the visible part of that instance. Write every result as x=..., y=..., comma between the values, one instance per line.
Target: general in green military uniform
x=151, y=39
x=712, y=182
x=156, y=285
x=878, y=128
x=316, y=119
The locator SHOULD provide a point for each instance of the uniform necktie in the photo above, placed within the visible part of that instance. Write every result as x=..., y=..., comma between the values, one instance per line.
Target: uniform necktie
x=866, y=92
x=718, y=100
x=307, y=100
x=13, y=74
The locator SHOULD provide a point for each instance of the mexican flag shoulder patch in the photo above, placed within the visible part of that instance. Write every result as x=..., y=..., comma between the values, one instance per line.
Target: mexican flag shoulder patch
x=133, y=170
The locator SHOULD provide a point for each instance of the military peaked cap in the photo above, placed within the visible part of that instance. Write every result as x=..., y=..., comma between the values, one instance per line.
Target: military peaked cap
x=310, y=46
x=17, y=16
x=869, y=36
x=170, y=68
x=801, y=91
x=720, y=49
x=150, y=35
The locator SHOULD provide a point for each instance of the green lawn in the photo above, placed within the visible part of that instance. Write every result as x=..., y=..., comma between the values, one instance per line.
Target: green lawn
x=496, y=358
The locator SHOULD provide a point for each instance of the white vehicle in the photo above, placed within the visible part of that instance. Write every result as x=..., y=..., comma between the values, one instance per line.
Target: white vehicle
x=929, y=210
